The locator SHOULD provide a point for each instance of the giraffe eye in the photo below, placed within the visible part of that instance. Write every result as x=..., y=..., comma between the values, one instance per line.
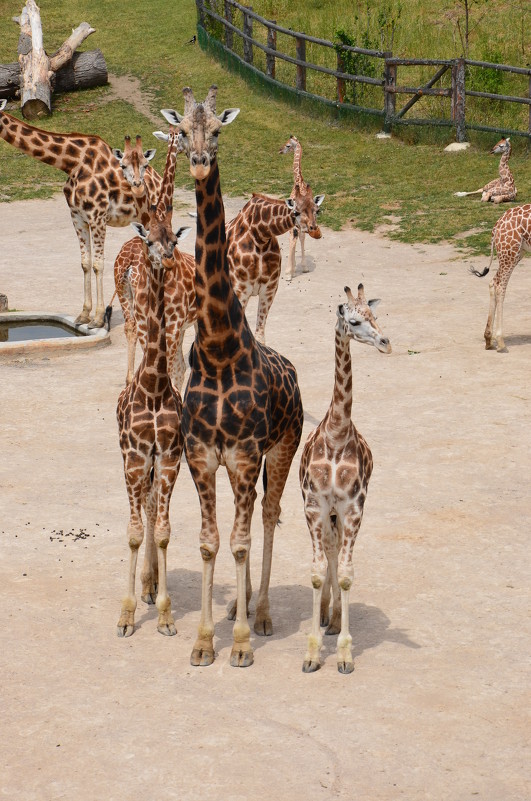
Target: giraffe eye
x=355, y=322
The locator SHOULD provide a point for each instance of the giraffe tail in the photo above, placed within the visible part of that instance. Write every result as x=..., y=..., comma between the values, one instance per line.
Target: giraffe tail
x=483, y=273
x=108, y=314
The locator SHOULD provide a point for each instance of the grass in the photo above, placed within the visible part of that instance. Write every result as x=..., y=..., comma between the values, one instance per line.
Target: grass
x=366, y=180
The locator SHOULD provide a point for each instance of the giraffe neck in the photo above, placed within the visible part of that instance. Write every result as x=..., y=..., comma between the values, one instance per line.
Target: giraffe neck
x=153, y=184
x=165, y=192
x=269, y=217
x=63, y=151
x=297, y=172
x=505, y=172
x=152, y=373
x=222, y=329
x=337, y=421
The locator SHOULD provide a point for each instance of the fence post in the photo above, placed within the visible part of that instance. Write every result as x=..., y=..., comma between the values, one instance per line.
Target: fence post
x=458, y=99
x=390, y=72
x=300, y=45
x=248, y=31
x=340, y=81
x=200, y=12
x=272, y=44
x=229, y=34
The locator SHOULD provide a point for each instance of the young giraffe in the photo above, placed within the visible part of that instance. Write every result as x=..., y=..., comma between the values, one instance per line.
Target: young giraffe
x=131, y=282
x=502, y=188
x=511, y=237
x=242, y=400
x=96, y=191
x=335, y=469
x=303, y=195
x=254, y=253
x=149, y=421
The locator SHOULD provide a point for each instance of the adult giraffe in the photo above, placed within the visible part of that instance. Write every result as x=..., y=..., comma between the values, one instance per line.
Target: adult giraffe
x=242, y=402
x=104, y=187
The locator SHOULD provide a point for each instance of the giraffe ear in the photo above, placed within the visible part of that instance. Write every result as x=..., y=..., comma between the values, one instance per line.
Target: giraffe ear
x=3, y=104
x=172, y=116
x=161, y=135
x=182, y=233
x=372, y=304
x=318, y=199
x=290, y=203
x=149, y=154
x=340, y=311
x=140, y=230
x=228, y=115
x=117, y=153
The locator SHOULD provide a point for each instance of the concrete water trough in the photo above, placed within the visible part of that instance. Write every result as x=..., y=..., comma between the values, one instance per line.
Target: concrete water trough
x=41, y=333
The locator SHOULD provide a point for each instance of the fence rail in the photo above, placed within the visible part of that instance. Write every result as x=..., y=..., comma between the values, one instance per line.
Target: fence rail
x=241, y=41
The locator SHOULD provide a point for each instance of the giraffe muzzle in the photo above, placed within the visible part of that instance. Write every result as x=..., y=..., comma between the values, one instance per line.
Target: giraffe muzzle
x=315, y=233
x=199, y=165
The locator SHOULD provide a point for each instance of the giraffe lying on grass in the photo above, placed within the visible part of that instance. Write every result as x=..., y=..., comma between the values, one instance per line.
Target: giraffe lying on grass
x=500, y=189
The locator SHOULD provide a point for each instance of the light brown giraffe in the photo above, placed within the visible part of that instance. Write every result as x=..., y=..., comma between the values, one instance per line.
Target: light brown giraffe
x=501, y=189
x=242, y=401
x=254, y=253
x=303, y=196
x=97, y=191
x=149, y=421
x=335, y=469
x=511, y=238
x=131, y=282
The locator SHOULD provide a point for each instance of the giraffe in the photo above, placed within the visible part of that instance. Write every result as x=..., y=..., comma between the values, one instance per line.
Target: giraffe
x=303, y=195
x=242, y=401
x=254, y=253
x=96, y=191
x=131, y=276
x=335, y=468
x=502, y=188
x=149, y=420
x=511, y=237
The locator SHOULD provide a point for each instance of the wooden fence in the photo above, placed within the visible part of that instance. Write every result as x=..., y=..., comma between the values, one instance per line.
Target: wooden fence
x=218, y=19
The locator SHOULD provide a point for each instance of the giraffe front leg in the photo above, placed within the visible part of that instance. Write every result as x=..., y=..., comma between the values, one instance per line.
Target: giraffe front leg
x=349, y=532
x=501, y=346
x=290, y=271
x=334, y=625
x=98, y=243
x=205, y=481
x=150, y=571
x=312, y=659
x=166, y=473
x=490, y=319
x=266, y=297
x=345, y=663
x=302, y=236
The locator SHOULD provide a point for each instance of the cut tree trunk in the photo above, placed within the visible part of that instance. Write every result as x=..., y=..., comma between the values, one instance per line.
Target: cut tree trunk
x=38, y=71
x=84, y=71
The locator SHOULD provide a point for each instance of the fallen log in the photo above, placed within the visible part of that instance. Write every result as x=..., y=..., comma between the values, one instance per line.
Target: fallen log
x=84, y=71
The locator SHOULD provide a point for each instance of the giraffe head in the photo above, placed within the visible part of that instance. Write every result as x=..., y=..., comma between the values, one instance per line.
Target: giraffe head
x=306, y=207
x=199, y=129
x=290, y=145
x=355, y=319
x=503, y=146
x=133, y=162
x=159, y=240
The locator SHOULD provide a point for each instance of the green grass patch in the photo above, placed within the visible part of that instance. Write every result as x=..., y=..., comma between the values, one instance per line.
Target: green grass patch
x=406, y=182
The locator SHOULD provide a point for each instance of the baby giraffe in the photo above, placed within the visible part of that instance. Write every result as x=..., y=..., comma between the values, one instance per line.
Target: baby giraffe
x=149, y=420
x=335, y=469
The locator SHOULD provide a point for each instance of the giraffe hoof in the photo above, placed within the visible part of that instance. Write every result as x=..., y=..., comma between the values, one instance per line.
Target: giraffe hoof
x=310, y=666
x=124, y=631
x=502, y=350
x=149, y=597
x=345, y=667
x=263, y=626
x=325, y=619
x=333, y=628
x=96, y=323
x=241, y=658
x=82, y=319
x=201, y=657
x=168, y=629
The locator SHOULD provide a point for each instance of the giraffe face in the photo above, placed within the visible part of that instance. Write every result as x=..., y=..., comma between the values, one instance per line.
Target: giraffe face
x=160, y=240
x=503, y=146
x=199, y=129
x=306, y=208
x=355, y=319
x=290, y=145
x=133, y=162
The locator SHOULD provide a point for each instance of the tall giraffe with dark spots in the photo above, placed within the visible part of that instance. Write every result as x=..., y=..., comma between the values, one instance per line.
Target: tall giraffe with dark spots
x=242, y=402
x=100, y=190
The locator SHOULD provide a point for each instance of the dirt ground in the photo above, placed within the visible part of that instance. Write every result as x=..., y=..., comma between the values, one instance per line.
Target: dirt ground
x=438, y=706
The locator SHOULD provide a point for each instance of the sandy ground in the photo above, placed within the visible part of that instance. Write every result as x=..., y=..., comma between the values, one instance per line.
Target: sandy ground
x=438, y=706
